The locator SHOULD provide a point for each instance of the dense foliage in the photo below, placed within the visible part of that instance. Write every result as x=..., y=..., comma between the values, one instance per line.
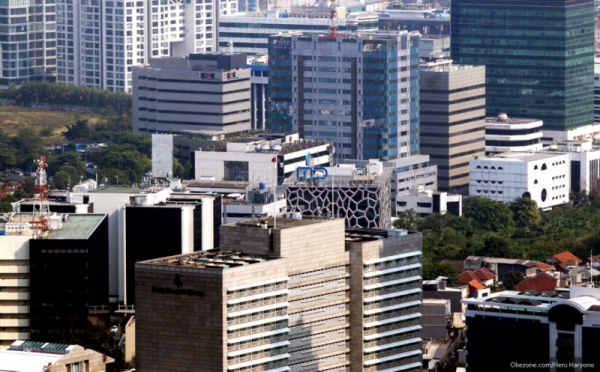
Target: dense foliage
x=68, y=94
x=513, y=230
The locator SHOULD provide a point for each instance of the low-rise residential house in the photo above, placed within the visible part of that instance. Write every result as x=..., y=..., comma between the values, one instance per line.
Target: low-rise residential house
x=542, y=282
x=565, y=258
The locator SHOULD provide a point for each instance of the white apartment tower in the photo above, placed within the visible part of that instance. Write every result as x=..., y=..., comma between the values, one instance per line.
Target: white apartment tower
x=28, y=41
x=100, y=41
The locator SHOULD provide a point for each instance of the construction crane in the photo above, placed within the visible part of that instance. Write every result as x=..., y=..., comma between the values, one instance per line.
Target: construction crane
x=41, y=207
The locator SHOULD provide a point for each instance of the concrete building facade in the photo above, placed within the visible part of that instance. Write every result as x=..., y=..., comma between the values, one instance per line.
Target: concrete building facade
x=360, y=196
x=330, y=89
x=183, y=96
x=268, y=159
x=452, y=120
x=504, y=134
x=425, y=202
x=282, y=304
x=542, y=177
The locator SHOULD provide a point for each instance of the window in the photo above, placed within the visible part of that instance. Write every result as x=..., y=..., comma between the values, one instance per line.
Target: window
x=236, y=171
x=544, y=167
x=77, y=367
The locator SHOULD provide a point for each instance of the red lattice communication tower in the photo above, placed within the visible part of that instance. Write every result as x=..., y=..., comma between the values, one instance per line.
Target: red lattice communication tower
x=333, y=21
x=41, y=208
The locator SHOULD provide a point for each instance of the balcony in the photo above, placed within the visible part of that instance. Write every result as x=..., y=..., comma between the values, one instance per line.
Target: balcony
x=390, y=314
x=14, y=296
x=391, y=327
x=398, y=363
x=387, y=278
x=4, y=335
x=257, y=342
x=14, y=269
x=255, y=330
x=391, y=289
x=391, y=339
x=14, y=309
x=392, y=351
x=14, y=282
x=391, y=302
x=14, y=322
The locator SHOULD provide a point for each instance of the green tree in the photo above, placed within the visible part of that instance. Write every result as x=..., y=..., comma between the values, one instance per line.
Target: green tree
x=63, y=179
x=28, y=146
x=497, y=245
x=526, y=213
x=80, y=129
x=489, y=215
x=407, y=220
x=122, y=161
x=72, y=159
x=433, y=270
x=511, y=279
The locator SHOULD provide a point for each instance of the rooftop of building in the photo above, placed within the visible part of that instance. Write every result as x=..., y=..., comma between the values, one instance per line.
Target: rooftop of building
x=521, y=157
x=72, y=226
x=128, y=189
x=34, y=356
x=510, y=261
x=354, y=234
x=375, y=35
x=281, y=222
x=216, y=61
x=502, y=118
x=267, y=143
x=218, y=184
x=341, y=175
x=210, y=259
x=444, y=65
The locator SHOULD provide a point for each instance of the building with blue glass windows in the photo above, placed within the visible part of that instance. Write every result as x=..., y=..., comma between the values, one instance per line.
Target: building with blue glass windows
x=361, y=92
x=539, y=57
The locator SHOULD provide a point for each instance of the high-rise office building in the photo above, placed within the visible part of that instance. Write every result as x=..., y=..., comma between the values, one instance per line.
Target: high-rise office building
x=50, y=279
x=271, y=300
x=28, y=41
x=511, y=328
x=539, y=57
x=99, y=41
x=452, y=120
x=359, y=92
x=206, y=92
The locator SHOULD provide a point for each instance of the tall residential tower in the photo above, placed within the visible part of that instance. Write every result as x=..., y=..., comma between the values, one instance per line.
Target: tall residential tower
x=359, y=92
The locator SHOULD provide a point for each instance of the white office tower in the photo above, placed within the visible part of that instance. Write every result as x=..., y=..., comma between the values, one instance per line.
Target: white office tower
x=28, y=41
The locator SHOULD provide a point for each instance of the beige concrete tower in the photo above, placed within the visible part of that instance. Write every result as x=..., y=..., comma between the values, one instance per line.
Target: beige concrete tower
x=307, y=295
x=452, y=120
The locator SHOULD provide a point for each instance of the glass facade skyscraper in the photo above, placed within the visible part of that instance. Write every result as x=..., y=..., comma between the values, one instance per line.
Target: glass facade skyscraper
x=359, y=92
x=539, y=56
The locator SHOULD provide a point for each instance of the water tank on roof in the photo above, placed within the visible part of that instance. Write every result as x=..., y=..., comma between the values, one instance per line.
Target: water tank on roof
x=262, y=186
x=277, y=148
x=502, y=116
x=265, y=147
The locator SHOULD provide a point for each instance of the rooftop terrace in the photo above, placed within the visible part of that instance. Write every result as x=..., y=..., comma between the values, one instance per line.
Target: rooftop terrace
x=211, y=259
x=74, y=226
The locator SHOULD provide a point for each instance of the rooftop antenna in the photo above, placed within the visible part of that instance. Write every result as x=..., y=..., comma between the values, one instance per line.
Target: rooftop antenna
x=41, y=207
x=333, y=21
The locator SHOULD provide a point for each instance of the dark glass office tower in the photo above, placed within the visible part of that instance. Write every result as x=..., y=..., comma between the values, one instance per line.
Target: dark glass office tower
x=539, y=56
